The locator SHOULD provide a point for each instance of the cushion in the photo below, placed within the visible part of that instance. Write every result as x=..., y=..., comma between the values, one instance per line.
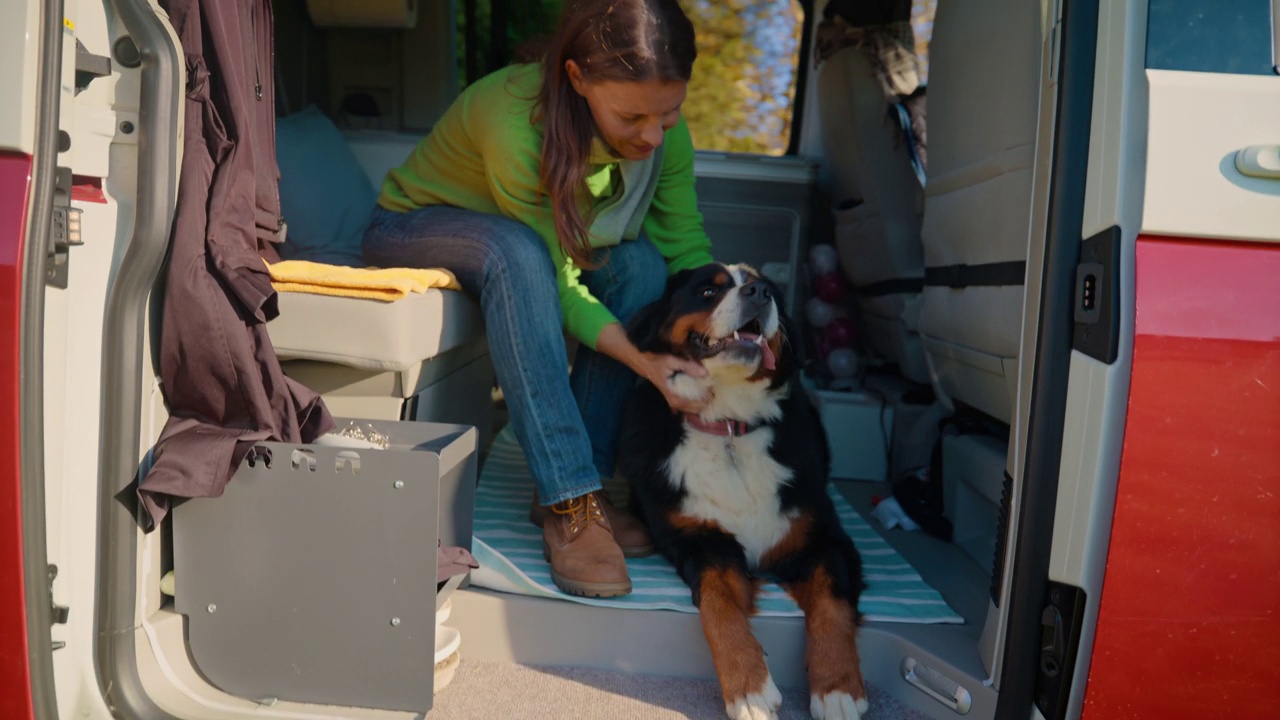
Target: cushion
x=325, y=196
x=983, y=124
x=372, y=334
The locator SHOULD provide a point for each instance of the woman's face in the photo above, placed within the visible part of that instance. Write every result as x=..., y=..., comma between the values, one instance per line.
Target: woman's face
x=631, y=117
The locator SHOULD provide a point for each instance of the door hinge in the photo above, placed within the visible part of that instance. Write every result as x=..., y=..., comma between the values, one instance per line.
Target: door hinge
x=66, y=232
x=58, y=614
x=89, y=67
x=1060, y=622
x=1097, y=308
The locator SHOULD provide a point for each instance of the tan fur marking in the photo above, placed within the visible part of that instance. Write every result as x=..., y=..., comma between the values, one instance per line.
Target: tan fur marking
x=680, y=521
x=831, y=634
x=727, y=601
x=686, y=324
x=790, y=544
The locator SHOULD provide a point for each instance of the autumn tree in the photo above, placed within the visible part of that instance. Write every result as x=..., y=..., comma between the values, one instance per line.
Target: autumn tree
x=743, y=86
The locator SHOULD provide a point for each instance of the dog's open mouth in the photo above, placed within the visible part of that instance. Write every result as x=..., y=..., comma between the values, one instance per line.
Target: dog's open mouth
x=745, y=342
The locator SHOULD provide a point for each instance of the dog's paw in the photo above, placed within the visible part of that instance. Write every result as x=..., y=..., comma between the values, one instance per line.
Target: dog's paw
x=761, y=705
x=837, y=706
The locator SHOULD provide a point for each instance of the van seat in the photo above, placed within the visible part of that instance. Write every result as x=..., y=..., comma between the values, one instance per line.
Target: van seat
x=372, y=334
x=422, y=357
x=983, y=97
x=878, y=201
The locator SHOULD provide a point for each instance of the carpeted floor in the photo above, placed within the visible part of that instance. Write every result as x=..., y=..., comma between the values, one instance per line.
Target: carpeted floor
x=490, y=690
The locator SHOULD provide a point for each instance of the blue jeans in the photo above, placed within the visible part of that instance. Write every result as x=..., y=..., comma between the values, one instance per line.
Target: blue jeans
x=567, y=423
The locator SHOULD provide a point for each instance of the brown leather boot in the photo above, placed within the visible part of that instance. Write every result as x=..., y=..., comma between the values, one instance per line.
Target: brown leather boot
x=585, y=559
x=628, y=531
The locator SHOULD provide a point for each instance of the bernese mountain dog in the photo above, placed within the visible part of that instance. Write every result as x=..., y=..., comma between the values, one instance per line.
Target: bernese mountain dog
x=738, y=492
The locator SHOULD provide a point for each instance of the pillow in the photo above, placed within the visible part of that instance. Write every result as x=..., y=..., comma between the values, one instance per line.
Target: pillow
x=325, y=196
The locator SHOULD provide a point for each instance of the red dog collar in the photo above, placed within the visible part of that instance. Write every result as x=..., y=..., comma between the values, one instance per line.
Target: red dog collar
x=723, y=428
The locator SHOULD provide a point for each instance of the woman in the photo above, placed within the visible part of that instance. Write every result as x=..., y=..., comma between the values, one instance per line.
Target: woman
x=561, y=194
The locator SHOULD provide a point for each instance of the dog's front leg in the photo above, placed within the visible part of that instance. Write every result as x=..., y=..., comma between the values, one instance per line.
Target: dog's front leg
x=726, y=601
x=836, y=690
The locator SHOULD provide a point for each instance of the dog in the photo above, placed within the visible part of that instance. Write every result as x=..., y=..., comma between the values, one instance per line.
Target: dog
x=739, y=491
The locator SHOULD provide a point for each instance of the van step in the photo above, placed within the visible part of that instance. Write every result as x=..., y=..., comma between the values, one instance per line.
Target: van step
x=506, y=628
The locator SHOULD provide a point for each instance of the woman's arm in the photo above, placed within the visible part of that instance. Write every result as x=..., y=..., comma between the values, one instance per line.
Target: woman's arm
x=657, y=369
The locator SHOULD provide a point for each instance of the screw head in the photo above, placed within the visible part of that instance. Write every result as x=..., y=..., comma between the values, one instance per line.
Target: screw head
x=398, y=484
x=212, y=608
x=395, y=622
x=126, y=127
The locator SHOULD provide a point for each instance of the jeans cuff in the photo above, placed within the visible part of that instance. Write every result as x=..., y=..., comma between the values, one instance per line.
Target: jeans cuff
x=576, y=491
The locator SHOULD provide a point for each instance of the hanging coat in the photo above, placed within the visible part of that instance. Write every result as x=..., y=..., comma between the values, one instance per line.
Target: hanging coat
x=219, y=373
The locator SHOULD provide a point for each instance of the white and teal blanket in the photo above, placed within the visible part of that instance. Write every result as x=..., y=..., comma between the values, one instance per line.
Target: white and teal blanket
x=509, y=550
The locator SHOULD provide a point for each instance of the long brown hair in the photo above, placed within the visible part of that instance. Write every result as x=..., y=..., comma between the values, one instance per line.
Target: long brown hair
x=611, y=41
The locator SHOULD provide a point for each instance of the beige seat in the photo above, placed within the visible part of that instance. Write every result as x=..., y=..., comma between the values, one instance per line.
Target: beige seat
x=983, y=90
x=878, y=238
x=420, y=358
x=423, y=357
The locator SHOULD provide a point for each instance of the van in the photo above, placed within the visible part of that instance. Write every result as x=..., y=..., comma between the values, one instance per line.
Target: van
x=1066, y=303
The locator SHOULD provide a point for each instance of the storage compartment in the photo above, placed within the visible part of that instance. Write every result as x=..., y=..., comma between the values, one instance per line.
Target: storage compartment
x=858, y=426
x=972, y=477
x=758, y=210
x=915, y=417
x=463, y=396
x=313, y=578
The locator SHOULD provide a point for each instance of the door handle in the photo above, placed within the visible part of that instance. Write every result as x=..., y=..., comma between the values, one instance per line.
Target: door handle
x=1260, y=161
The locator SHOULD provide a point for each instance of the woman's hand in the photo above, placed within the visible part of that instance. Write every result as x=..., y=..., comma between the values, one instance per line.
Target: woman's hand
x=682, y=382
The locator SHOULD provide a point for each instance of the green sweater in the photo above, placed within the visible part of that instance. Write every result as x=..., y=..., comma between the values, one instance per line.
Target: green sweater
x=485, y=155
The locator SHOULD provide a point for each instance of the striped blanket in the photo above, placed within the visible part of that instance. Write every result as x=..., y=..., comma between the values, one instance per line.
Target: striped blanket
x=509, y=550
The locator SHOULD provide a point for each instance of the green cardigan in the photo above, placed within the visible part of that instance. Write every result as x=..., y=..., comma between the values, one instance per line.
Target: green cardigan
x=485, y=154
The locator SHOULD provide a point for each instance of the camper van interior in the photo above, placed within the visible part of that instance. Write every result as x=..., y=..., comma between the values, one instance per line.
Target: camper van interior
x=910, y=175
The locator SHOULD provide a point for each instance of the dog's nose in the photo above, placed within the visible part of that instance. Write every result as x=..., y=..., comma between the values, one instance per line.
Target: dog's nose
x=757, y=293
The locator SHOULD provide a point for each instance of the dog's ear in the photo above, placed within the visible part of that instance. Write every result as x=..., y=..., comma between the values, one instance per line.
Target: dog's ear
x=645, y=328
x=789, y=359
x=676, y=281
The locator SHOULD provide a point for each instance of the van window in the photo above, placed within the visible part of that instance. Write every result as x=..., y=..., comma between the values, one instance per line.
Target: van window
x=922, y=12
x=744, y=83
x=1227, y=36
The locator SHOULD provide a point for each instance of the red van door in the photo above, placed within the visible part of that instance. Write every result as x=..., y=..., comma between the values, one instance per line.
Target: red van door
x=30, y=69
x=1189, y=618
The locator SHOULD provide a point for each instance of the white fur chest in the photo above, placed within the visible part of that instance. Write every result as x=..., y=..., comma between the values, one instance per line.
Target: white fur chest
x=734, y=483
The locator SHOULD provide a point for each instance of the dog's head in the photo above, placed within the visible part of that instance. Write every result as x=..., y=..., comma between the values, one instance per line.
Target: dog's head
x=726, y=317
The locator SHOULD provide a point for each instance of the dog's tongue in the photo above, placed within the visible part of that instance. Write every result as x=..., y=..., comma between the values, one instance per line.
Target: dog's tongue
x=767, y=358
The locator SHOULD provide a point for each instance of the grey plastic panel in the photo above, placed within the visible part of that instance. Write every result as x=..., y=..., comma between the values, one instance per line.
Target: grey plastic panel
x=758, y=210
x=313, y=578
x=518, y=628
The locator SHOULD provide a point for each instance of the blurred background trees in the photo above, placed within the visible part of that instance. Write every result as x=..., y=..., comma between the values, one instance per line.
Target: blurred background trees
x=744, y=82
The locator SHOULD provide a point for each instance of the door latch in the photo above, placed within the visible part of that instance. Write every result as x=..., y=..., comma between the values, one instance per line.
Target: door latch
x=58, y=614
x=1060, y=622
x=66, y=232
x=1096, y=331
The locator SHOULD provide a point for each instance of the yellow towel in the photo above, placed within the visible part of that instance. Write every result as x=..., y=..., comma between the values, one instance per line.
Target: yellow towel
x=370, y=283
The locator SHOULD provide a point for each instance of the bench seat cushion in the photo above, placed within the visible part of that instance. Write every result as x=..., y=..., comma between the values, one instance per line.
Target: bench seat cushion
x=371, y=334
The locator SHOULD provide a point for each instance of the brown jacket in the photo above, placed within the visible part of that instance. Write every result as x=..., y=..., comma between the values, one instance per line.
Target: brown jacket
x=219, y=373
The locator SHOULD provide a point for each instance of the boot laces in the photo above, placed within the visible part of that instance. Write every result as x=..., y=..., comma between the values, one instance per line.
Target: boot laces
x=580, y=512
